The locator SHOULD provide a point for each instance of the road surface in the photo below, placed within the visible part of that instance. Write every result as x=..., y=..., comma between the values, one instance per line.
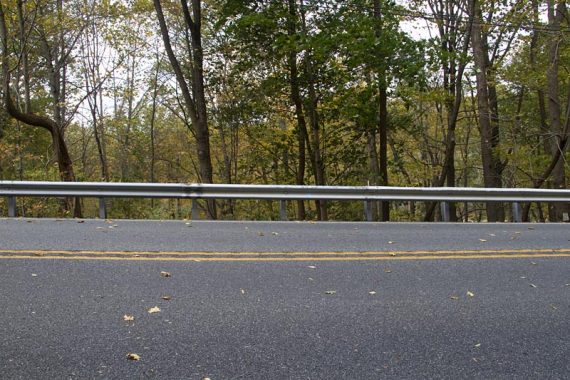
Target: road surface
x=254, y=300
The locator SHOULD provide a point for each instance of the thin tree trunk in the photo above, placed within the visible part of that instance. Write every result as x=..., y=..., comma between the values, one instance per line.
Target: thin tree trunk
x=382, y=111
x=555, y=16
x=488, y=130
x=194, y=97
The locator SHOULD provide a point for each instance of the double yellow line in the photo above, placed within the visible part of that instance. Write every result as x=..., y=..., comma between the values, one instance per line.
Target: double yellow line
x=281, y=256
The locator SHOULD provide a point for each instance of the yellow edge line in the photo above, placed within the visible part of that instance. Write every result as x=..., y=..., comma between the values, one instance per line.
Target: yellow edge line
x=340, y=258
x=306, y=253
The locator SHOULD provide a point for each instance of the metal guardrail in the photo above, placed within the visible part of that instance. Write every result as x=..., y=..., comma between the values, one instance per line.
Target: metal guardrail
x=283, y=193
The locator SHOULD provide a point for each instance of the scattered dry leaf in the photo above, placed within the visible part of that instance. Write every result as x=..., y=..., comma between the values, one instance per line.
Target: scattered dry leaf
x=532, y=263
x=242, y=291
x=392, y=254
x=553, y=307
x=532, y=285
x=275, y=233
x=261, y=234
x=165, y=274
x=454, y=297
x=482, y=240
x=387, y=270
x=470, y=294
x=34, y=275
x=128, y=318
x=391, y=242
x=530, y=228
x=492, y=235
x=312, y=267
x=372, y=292
x=134, y=357
x=330, y=292
x=166, y=298
x=153, y=310
x=478, y=345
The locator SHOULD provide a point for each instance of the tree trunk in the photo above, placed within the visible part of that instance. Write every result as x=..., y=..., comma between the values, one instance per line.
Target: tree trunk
x=555, y=16
x=382, y=111
x=302, y=134
x=488, y=129
x=194, y=96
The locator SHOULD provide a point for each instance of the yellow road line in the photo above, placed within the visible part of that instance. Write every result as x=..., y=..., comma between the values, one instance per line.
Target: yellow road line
x=302, y=253
x=284, y=258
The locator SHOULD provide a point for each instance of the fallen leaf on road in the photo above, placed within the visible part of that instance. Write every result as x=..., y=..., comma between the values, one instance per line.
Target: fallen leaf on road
x=478, y=345
x=532, y=285
x=492, y=235
x=275, y=233
x=391, y=242
x=165, y=274
x=312, y=267
x=242, y=291
x=261, y=234
x=153, y=310
x=134, y=357
x=167, y=298
x=387, y=270
x=392, y=254
x=372, y=292
x=532, y=263
x=531, y=228
x=553, y=307
x=470, y=294
x=128, y=318
x=454, y=297
x=34, y=275
x=482, y=240
x=330, y=292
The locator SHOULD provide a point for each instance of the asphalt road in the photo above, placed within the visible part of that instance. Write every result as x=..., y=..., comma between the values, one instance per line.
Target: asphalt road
x=283, y=300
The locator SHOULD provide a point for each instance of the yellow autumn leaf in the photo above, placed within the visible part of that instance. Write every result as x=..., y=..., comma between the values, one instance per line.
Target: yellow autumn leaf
x=165, y=274
x=134, y=357
x=470, y=294
x=128, y=318
x=167, y=298
x=153, y=310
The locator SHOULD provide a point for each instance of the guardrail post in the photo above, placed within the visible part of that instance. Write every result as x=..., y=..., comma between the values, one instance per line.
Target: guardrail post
x=102, y=208
x=517, y=212
x=195, y=211
x=11, y=207
x=444, y=211
x=283, y=209
x=368, y=210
